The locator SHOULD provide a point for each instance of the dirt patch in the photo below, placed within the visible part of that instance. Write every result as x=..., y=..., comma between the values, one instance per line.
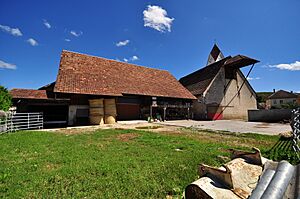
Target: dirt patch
x=119, y=128
x=224, y=138
x=75, y=131
x=262, y=125
x=148, y=127
x=127, y=137
x=286, y=135
x=51, y=166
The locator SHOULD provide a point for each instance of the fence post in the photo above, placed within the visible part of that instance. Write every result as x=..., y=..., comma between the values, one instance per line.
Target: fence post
x=11, y=122
x=28, y=121
x=38, y=120
x=5, y=123
x=42, y=120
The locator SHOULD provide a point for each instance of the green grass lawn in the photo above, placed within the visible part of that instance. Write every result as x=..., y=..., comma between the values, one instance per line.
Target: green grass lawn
x=112, y=163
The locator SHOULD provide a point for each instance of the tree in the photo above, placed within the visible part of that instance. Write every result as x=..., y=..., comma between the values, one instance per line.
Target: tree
x=5, y=99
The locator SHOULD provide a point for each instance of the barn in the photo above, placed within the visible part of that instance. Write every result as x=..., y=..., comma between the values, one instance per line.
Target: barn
x=135, y=92
x=222, y=90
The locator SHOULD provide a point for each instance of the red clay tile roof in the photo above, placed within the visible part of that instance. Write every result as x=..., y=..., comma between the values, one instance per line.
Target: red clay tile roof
x=84, y=74
x=281, y=94
x=28, y=94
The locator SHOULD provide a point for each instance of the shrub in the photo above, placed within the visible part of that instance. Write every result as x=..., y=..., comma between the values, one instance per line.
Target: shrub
x=5, y=99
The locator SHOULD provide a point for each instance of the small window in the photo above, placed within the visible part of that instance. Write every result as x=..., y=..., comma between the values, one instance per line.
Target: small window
x=275, y=102
x=281, y=101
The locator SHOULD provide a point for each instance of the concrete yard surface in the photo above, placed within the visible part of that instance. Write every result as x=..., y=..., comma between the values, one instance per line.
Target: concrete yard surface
x=233, y=126
x=218, y=125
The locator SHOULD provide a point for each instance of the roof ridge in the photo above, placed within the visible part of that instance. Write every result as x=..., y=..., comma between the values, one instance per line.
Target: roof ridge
x=225, y=59
x=113, y=60
x=32, y=89
x=282, y=91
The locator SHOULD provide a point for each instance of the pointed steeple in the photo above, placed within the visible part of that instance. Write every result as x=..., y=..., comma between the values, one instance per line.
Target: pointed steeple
x=214, y=55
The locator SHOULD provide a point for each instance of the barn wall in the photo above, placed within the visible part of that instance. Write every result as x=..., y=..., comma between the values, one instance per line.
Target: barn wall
x=73, y=109
x=221, y=102
x=199, y=109
x=215, y=93
x=235, y=105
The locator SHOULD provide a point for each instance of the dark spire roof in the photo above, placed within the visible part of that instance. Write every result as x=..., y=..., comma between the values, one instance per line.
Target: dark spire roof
x=214, y=55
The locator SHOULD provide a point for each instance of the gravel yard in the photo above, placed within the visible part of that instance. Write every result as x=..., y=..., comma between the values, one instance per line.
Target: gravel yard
x=234, y=126
x=218, y=125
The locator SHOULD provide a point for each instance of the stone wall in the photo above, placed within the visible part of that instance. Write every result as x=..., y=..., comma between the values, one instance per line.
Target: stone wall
x=234, y=106
x=272, y=115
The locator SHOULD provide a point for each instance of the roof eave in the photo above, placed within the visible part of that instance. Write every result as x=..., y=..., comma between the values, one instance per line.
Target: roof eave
x=240, y=61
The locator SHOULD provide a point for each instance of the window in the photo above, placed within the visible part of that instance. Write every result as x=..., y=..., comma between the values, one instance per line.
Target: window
x=281, y=101
x=275, y=102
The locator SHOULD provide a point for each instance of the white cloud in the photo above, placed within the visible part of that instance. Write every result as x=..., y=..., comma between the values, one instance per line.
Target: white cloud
x=156, y=17
x=47, y=24
x=292, y=66
x=122, y=43
x=13, y=31
x=32, y=42
x=253, y=78
x=76, y=34
x=134, y=58
x=68, y=40
x=7, y=65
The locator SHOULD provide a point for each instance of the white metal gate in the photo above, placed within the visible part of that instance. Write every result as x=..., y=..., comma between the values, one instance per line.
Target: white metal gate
x=21, y=121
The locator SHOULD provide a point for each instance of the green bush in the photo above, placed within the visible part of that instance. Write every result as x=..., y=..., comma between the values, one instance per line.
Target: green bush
x=289, y=106
x=5, y=99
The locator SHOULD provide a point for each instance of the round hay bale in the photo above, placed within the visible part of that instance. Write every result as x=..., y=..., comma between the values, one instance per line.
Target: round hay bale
x=109, y=119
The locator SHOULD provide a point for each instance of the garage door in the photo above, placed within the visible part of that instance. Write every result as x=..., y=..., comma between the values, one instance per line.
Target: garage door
x=128, y=111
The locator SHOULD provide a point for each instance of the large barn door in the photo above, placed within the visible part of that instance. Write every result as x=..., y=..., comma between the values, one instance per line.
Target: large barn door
x=128, y=111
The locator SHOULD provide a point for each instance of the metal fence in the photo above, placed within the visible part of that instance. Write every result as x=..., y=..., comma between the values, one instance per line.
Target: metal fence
x=295, y=124
x=21, y=121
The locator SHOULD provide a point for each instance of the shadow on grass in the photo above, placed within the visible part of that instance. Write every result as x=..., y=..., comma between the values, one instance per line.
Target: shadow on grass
x=283, y=150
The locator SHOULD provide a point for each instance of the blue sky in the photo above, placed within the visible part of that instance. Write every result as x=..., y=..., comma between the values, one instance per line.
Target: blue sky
x=172, y=35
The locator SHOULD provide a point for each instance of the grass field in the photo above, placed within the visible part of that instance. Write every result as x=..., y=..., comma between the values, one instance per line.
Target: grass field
x=112, y=163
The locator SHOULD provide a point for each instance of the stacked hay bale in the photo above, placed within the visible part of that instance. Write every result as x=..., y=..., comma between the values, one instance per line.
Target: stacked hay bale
x=110, y=110
x=96, y=111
